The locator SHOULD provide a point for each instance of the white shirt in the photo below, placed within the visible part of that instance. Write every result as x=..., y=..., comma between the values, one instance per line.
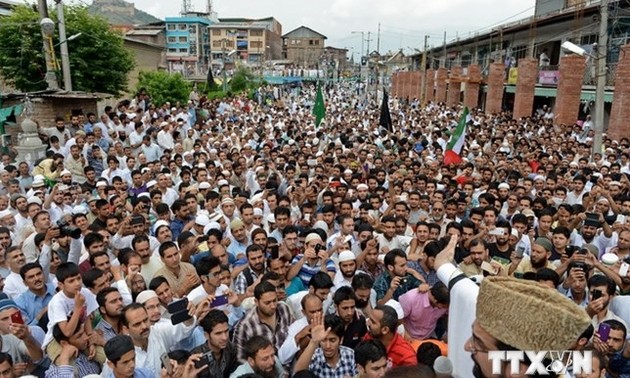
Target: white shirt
x=162, y=338
x=199, y=293
x=165, y=140
x=460, y=320
x=14, y=285
x=289, y=347
x=61, y=306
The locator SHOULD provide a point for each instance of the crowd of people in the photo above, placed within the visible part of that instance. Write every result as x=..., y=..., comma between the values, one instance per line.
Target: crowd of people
x=236, y=238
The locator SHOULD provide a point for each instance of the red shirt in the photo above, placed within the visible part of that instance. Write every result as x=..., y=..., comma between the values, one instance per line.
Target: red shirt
x=399, y=352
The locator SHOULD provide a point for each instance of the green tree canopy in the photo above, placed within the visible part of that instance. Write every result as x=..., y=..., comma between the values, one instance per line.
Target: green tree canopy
x=98, y=60
x=163, y=86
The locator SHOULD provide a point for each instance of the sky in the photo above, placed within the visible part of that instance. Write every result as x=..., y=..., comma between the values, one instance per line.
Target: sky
x=403, y=22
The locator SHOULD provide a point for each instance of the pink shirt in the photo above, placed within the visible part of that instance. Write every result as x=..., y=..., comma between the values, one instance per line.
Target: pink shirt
x=420, y=316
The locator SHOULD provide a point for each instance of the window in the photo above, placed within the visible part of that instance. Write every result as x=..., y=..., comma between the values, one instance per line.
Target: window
x=183, y=39
x=317, y=42
x=255, y=44
x=172, y=50
x=311, y=42
x=293, y=41
x=183, y=26
x=171, y=26
x=256, y=33
x=588, y=39
x=216, y=44
x=172, y=39
x=216, y=31
x=184, y=50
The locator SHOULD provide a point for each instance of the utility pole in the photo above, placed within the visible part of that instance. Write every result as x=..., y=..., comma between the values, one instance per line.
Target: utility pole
x=50, y=77
x=367, y=66
x=223, y=48
x=423, y=69
x=378, y=39
x=444, y=50
x=602, y=52
x=63, y=47
x=361, y=57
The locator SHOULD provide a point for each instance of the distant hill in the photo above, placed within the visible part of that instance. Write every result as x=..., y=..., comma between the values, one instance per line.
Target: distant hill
x=120, y=12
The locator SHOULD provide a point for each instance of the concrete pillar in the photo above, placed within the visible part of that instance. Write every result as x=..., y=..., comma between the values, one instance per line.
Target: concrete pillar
x=620, y=112
x=525, y=87
x=496, y=80
x=430, y=82
x=569, y=88
x=471, y=93
x=454, y=86
x=440, y=90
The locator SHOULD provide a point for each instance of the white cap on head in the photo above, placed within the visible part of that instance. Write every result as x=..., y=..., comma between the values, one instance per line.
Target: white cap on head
x=347, y=256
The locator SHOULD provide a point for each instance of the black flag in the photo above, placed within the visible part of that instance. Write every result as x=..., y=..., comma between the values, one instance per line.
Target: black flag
x=386, y=119
x=210, y=80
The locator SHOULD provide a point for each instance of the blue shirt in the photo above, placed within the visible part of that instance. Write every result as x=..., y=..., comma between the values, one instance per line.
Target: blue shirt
x=177, y=226
x=137, y=373
x=307, y=271
x=31, y=304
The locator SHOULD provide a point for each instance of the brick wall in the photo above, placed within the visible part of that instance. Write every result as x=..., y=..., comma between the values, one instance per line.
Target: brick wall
x=620, y=112
x=569, y=88
x=454, y=86
x=46, y=109
x=525, y=87
x=395, y=88
x=415, y=84
x=496, y=79
x=440, y=90
x=430, y=82
x=471, y=92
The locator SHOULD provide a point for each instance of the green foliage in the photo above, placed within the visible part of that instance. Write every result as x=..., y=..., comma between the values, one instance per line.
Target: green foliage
x=216, y=95
x=165, y=87
x=242, y=80
x=98, y=60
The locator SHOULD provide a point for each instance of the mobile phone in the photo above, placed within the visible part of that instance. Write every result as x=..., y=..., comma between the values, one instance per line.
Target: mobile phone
x=177, y=306
x=180, y=317
x=347, y=239
x=307, y=217
x=373, y=214
x=623, y=269
x=487, y=267
x=166, y=362
x=219, y=301
x=17, y=318
x=596, y=294
x=592, y=216
x=311, y=162
x=603, y=331
x=520, y=251
x=203, y=360
x=621, y=219
x=497, y=232
x=274, y=249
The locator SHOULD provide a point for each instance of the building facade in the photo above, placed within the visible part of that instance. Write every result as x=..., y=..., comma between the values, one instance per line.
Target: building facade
x=250, y=41
x=188, y=45
x=304, y=47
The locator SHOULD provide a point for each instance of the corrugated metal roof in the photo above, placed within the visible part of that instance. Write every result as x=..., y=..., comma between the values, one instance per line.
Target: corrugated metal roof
x=145, y=32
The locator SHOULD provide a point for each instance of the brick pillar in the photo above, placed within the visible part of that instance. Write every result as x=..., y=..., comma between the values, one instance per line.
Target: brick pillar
x=440, y=90
x=430, y=82
x=417, y=84
x=395, y=84
x=496, y=79
x=405, y=91
x=620, y=112
x=454, y=86
x=525, y=87
x=569, y=88
x=471, y=93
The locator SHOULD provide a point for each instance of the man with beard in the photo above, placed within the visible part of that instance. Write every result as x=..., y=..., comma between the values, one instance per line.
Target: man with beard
x=60, y=131
x=422, y=310
x=325, y=356
x=546, y=320
x=110, y=305
x=50, y=168
x=541, y=252
x=137, y=225
x=478, y=254
x=260, y=357
x=601, y=291
x=255, y=268
x=362, y=195
x=20, y=204
x=219, y=354
x=365, y=296
x=575, y=285
x=154, y=340
x=298, y=335
x=347, y=269
x=354, y=323
x=382, y=324
x=589, y=234
x=501, y=249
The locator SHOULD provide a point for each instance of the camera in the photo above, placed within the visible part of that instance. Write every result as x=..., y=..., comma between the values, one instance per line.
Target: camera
x=202, y=361
x=65, y=229
x=319, y=247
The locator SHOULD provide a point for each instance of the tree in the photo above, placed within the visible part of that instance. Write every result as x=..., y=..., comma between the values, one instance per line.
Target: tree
x=98, y=60
x=242, y=80
x=163, y=86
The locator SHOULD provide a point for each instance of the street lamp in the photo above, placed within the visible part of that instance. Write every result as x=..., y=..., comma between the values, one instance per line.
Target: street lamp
x=48, y=28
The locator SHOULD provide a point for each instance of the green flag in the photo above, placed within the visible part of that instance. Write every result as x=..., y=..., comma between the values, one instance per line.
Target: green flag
x=319, y=110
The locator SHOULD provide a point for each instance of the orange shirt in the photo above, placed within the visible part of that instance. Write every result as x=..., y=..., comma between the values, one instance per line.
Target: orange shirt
x=399, y=352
